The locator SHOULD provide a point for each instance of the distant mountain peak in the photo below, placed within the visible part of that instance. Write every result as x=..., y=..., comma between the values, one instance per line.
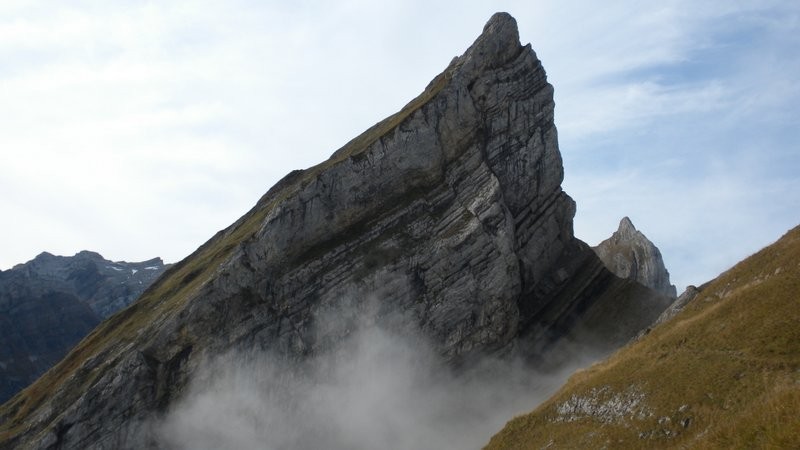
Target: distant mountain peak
x=628, y=253
x=44, y=255
x=89, y=254
x=49, y=303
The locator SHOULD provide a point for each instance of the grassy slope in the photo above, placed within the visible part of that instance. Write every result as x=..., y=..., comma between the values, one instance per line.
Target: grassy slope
x=175, y=287
x=724, y=373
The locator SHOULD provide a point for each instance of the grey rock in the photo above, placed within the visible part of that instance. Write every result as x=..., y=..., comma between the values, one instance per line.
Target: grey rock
x=49, y=303
x=447, y=217
x=629, y=254
x=106, y=286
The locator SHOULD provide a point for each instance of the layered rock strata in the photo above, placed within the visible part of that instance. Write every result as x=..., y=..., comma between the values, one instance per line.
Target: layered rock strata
x=447, y=218
x=676, y=307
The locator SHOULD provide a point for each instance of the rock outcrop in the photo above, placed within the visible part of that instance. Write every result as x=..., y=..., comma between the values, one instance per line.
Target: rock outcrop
x=51, y=302
x=677, y=306
x=629, y=254
x=446, y=218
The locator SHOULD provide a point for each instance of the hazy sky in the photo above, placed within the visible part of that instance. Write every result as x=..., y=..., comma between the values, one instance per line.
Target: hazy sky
x=138, y=129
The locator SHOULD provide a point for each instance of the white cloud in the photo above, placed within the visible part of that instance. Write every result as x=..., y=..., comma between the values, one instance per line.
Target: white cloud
x=601, y=110
x=377, y=389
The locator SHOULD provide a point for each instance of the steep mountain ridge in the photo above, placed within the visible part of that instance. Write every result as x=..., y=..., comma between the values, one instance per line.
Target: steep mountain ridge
x=447, y=217
x=49, y=303
x=721, y=371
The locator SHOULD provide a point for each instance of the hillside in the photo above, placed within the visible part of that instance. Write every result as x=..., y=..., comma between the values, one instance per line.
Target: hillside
x=723, y=373
x=629, y=254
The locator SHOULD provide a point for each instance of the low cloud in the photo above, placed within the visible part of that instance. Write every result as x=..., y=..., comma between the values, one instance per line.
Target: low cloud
x=376, y=389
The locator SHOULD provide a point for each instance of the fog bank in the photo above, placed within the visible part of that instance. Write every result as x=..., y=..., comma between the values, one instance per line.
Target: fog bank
x=375, y=390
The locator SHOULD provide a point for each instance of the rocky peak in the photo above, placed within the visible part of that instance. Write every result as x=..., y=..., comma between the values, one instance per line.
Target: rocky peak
x=496, y=46
x=445, y=219
x=629, y=254
x=106, y=286
x=626, y=230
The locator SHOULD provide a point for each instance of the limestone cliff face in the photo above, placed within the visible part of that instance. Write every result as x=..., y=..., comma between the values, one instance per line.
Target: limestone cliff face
x=447, y=218
x=106, y=286
x=629, y=254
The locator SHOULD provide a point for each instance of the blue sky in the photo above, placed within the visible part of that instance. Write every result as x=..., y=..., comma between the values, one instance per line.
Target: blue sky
x=138, y=129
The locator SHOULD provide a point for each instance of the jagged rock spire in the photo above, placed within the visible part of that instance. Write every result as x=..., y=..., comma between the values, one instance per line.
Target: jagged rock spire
x=626, y=227
x=629, y=254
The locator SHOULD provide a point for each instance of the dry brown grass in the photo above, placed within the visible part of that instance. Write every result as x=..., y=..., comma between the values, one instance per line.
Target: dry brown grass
x=724, y=373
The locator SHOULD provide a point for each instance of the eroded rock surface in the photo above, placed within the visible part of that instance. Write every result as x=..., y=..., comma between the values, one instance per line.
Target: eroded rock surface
x=629, y=254
x=447, y=217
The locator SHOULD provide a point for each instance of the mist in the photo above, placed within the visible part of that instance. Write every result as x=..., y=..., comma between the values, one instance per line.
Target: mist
x=376, y=389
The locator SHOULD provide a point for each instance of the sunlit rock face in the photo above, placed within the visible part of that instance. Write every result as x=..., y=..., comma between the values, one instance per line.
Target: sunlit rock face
x=445, y=221
x=629, y=254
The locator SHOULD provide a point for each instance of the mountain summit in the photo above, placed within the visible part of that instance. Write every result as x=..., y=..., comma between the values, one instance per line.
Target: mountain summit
x=629, y=254
x=446, y=219
x=51, y=302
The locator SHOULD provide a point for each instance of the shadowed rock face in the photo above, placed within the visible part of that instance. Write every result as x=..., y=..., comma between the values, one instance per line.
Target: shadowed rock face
x=51, y=302
x=629, y=254
x=447, y=218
